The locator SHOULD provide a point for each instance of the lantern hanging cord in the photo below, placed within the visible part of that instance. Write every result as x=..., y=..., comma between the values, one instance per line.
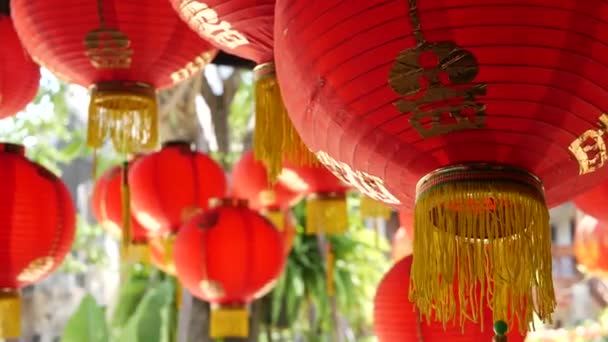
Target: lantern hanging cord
x=482, y=238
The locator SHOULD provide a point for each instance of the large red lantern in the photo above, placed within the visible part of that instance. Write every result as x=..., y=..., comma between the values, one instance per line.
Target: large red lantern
x=326, y=210
x=591, y=244
x=171, y=185
x=396, y=318
x=476, y=115
x=229, y=256
x=123, y=51
x=36, y=232
x=593, y=202
x=245, y=28
x=19, y=75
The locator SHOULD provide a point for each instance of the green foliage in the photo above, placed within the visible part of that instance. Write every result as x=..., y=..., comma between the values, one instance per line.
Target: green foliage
x=87, y=324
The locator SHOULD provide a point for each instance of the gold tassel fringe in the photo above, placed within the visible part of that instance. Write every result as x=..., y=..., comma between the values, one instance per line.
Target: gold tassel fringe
x=482, y=237
x=10, y=315
x=369, y=207
x=137, y=253
x=275, y=138
x=229, y=322
x=326, y=213
x=127, y=112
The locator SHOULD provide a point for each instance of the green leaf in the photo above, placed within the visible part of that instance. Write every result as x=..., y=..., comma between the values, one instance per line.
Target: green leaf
x=130, y=296
x=87, y=324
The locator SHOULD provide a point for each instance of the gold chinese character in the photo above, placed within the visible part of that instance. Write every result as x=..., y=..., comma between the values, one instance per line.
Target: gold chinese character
x=108, y=49
x=589, y=148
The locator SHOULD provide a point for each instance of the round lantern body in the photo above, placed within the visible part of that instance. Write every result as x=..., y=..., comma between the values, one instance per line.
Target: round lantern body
x=593, y=202
x=171, y=185
x=396, y=319
x=36, y=233
x=19, y=75
x=591, y=244
x=250, y=181
x=229, y=256
x=419, y=103
x=122, y=50
x=107, y=206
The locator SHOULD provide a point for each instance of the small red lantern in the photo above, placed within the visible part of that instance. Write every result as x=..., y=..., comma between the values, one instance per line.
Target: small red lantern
x=38, y=223
x=591, y=244
x=171, y=185
x=124, y=51
x=245, y=28
x=19, y=75
x=397, y=319
x=229, y=256
x=326, y=210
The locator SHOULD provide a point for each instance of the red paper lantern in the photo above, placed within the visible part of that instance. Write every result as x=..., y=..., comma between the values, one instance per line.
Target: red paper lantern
x=229, y=256
x=37, y=230
x=123, y=50
x=245, y=28
x=473, y=99
x=250, y=181
x=396, y=319
x=171, y=185
x=593, y=202
x=326, y=210
x=19, y=75
x=591, y=244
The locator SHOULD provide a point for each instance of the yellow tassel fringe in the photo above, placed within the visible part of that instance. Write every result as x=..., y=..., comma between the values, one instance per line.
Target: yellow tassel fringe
x=10, y=315
x=137, y=253
x=229, y=322
x=479, y=243
x=370, y=208
x=127, y=112
x=277, y=218
x=327, y=214
x=275, y=138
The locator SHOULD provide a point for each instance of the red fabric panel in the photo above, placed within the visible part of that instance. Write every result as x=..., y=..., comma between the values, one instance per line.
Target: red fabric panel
x=169, y=185
x=53, y=31
x=544, y=63
x=251, y=19
x=233, y=247
x=38, y=219
x=250, y=179
x=395, y=318
x=19, y=75
x=107, y=206
x=593, y=202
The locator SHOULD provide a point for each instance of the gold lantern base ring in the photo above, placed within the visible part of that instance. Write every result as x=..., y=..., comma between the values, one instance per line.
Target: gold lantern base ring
x=482, y=238
x=10, y=314
x=127, y=112
x=229, y=321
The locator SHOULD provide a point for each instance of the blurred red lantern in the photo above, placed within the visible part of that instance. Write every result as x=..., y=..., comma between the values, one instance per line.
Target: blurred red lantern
x=19, y=75
x=171, y=185
x=37, y=230
x=591, y=244
x=161, y=253
x=245, y=28
x=593, y=202
x=397, y=319
x=124, y=51
x=435, y=106
x=326, y=210
x=229, y=256
x=250, y=181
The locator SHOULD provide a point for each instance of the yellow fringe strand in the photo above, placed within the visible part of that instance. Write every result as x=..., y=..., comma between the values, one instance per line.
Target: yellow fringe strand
x=127, y=112
x=125, y=197
x=275, y=138
x=370, y=208
x=10, y=315
x=483, y=241
x=326, y=213
x=229, y=322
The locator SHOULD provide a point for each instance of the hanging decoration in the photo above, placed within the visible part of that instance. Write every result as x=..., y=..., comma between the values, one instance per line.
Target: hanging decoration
x=19, y=75
x=250, y=181
x=122, y=50
x=245, y=28
x=108, y=207
x=38, y=224
x=591, y=245
x=477, y=118
x=229, y=256
x=161, y=253
x=397, y=319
